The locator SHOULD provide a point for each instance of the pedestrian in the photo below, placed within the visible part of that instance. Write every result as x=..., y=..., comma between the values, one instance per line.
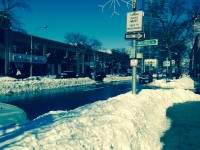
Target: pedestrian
x=18, y=72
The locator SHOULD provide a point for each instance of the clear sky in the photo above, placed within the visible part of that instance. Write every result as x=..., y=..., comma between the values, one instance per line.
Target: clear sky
x=78, y=16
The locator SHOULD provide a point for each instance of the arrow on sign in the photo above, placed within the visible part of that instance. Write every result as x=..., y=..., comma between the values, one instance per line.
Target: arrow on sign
x=139, y=35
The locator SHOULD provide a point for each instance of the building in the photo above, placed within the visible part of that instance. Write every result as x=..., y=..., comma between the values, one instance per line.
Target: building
x=52, y=57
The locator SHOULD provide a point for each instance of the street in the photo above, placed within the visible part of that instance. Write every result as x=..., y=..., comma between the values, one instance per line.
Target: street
x=38, y=103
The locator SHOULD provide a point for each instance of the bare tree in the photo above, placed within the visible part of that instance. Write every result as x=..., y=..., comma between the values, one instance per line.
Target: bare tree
x=94, y=43
x=75, y=38
x=172, y=25
x=79, y=39
x=10, y=12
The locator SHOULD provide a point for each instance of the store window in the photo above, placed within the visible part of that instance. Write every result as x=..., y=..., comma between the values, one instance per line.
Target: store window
x=21, y=48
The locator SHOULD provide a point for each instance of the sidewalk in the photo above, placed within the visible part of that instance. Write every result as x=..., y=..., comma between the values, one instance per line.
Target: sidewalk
x=10, y=114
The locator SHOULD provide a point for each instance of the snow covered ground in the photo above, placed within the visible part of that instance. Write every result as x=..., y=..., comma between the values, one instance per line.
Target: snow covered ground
x=11, y=85
x=124, y=122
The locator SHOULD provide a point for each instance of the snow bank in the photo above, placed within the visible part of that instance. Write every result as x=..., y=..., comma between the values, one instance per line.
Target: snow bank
x=124, y=122
x=183, y=83
x=110, y=78
x=11, y=85
x=38, y=84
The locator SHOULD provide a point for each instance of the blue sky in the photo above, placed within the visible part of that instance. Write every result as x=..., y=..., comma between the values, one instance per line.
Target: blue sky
x=79, y=16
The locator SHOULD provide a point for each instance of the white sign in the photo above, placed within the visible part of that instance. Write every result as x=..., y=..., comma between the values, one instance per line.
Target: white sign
x=134, y=21
x=23, y=58
x=166, y=63
x=134, y=62
x=139, y=55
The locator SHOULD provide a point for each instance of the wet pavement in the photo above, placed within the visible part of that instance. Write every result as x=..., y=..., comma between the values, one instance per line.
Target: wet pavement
x=184, y=133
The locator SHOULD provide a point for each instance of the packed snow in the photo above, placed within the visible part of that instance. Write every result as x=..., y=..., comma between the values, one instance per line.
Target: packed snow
x=125, y=122
x=11, y=85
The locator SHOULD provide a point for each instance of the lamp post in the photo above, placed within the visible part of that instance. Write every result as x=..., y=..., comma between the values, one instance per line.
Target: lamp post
x=31, y=63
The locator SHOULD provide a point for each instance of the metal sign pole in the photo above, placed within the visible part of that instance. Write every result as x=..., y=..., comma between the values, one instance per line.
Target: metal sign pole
x=134, y=30
x=134, y=72
x=134, y=47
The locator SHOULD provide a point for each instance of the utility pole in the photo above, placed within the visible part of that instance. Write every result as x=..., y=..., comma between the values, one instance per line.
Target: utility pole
x=134, y=75
x=31, y=57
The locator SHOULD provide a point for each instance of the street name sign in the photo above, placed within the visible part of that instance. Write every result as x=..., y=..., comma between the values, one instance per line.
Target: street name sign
x=166, y=63
x=134, y=21
x=147, y=42
x=133, y=53
x=128, y=50
x=137, y=35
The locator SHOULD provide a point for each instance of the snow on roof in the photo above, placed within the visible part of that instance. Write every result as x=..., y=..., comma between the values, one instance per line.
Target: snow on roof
x=108, y=51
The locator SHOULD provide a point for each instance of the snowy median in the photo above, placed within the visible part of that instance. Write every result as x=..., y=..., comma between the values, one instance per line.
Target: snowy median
x=10, y=85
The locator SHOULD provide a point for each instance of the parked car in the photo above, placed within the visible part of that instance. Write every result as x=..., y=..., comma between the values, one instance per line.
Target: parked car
x=157, y=75
x=68, y=74
x=99, y=76
x=145, y=77
x=197, y=86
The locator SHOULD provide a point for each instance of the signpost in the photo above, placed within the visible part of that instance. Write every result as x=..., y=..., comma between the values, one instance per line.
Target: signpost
x=147, y=42
x=134, y=28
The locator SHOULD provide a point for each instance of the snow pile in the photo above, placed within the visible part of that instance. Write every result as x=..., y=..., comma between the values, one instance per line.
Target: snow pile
x=2, y=79
x=38, y=84
x=127, y=121
x=124, y=122
x=110, y=78
x=11, y=85
x=183, y=83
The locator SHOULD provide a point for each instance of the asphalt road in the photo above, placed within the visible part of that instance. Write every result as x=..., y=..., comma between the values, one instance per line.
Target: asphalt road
x=38, y=103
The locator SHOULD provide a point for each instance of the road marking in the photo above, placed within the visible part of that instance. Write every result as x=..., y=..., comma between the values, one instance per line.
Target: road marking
x=94, y=89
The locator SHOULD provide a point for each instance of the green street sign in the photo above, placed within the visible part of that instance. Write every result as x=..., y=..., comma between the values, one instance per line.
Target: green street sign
x=147, y=42
x=133, y=53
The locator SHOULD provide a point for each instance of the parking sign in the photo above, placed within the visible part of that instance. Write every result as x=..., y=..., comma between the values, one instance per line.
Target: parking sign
x=134, y=21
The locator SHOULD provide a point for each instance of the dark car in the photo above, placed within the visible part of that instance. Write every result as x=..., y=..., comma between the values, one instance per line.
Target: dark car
x=99, y=76
x=197, y=86
x=145, y=77
x=68, y=74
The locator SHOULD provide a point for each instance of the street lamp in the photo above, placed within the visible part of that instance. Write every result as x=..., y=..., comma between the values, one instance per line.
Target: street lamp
x=31, y=63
